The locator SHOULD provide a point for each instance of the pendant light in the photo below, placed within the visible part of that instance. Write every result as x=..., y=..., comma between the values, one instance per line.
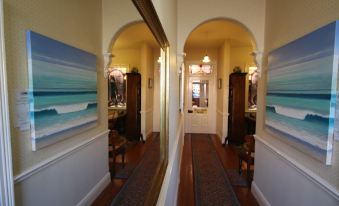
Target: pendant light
x=206, y=58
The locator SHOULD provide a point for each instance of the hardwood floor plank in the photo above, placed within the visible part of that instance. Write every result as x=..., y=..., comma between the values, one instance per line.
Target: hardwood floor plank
x=186, y=191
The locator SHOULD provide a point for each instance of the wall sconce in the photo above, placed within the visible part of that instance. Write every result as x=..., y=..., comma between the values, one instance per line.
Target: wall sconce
x=180, y=63
x=107, y=61
x=150, y=83
x=257, y=56
x=219, y=83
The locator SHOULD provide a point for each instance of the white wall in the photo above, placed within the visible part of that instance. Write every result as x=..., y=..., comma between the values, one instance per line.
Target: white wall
x=156, y=93
x=43, y=172
x=283, y=174
x=167, y=12
x=146, y=71
x=75, y=176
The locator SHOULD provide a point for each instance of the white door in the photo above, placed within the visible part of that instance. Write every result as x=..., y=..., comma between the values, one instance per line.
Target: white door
x=200, y=108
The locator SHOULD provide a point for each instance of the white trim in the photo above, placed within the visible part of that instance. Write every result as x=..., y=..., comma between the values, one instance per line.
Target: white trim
x=56, y=158
x=163, y=196
x=259, y=196
x=300, y=168
x=223, y=114
x=146, y=111
x=95, y=191
x=6, y=177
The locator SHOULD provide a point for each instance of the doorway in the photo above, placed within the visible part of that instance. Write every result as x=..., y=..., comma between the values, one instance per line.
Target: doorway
x=200, y=98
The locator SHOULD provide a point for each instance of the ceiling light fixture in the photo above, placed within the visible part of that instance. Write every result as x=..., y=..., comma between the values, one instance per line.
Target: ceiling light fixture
x=206, y=58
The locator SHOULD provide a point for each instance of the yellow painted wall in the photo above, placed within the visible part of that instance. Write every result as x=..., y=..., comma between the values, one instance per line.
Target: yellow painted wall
x=63, y=20
x=128, y=57
x=241, y=56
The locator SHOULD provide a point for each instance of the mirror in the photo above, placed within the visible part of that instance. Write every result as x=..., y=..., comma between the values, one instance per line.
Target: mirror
x=200, y=93
x=139, y=80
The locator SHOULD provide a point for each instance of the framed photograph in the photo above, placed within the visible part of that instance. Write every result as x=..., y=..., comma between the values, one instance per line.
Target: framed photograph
x=219, y=83
x=301, y=92
x=62, y=90
x=150, y=83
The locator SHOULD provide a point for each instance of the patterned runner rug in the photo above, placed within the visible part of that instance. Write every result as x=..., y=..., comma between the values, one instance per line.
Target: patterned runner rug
x=211, y=184
x=135, y=191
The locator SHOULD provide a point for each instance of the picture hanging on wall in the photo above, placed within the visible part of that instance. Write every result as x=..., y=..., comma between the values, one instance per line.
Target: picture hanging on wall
x=62, y=90
x=301, y=92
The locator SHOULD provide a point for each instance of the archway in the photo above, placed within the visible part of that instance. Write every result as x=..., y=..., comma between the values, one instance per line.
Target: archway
x=230, y=46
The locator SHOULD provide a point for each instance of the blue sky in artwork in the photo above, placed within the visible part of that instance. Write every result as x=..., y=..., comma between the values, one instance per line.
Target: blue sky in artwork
x=42, y=46
x=306, y=65
x=312, y=46
x=55, y=66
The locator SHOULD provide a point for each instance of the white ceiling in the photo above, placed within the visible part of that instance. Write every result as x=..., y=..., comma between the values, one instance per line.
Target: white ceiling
x=133, y=36
x=212, y=35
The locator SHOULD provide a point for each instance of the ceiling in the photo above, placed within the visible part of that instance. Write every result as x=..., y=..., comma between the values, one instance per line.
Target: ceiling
x=133, y=36
x=212, y=35
x=208, y=35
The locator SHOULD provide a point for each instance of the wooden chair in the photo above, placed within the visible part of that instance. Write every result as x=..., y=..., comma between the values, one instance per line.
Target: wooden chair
x=246, y=155
x=117, y=146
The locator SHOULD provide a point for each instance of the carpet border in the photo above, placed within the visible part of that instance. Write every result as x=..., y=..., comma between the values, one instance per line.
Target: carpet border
x=215, y=153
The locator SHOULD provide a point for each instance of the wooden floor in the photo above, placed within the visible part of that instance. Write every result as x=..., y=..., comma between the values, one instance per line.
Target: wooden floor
x=229, y=159
x=133, y=155
x=186, y=191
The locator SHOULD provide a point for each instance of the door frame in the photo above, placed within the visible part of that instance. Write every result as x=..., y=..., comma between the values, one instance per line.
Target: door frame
x=188, y=92
x=6, y=171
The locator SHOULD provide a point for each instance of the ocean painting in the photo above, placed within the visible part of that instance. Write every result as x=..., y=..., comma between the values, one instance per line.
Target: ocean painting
x=62, y=90
x=301, y=92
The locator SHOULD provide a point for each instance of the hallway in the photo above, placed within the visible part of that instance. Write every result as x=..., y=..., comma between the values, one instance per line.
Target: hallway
x=229, y=160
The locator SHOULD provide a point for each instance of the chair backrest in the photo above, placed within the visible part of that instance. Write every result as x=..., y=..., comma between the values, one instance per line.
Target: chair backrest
x=249, y=143
x=113, y=136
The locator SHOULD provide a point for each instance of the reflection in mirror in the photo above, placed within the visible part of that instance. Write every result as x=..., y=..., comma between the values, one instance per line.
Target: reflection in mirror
x=253, y=84
x=117, y=86
x=134, y=112
x=137, y=105
x=200, y=93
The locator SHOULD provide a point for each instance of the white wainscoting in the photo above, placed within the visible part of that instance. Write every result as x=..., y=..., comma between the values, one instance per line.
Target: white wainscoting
x=146, y=123
x=222, y=130
x=279, y=180
x=74, y=177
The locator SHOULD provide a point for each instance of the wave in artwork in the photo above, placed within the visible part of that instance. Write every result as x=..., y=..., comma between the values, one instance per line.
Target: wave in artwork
x=63, y=93
x=301, y=92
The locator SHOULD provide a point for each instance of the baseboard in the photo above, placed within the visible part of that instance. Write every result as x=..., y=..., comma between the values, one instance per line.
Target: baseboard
x=259, y=196
x=95, y=191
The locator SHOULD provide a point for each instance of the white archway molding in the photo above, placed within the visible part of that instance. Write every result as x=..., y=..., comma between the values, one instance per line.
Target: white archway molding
x=108, y=56
x=257, y=49
x=115, y=20
x=251, y=14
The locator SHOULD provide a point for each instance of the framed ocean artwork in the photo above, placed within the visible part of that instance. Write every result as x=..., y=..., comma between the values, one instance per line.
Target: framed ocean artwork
x=301, y=92
x=62, y=90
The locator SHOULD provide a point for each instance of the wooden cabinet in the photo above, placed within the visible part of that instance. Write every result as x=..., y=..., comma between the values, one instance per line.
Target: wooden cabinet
x=236, y=108
x=133, y=106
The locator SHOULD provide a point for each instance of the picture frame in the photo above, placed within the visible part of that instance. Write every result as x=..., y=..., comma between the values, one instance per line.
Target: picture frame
x=301, y=92
x=59, y=108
